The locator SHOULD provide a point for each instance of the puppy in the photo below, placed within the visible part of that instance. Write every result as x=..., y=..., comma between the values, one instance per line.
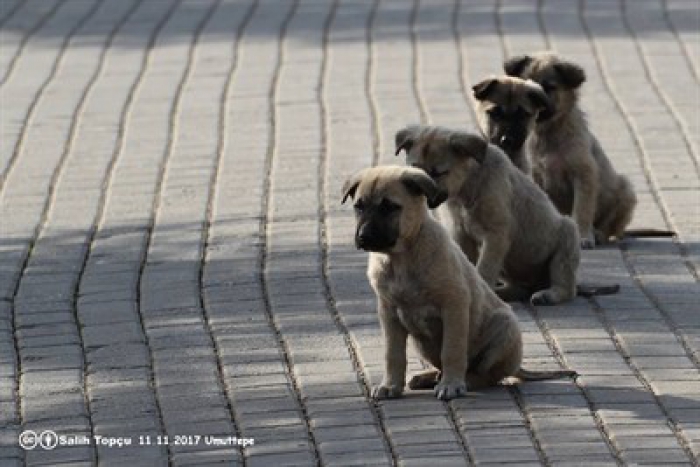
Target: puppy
x=426, y=288
x=570, y=163
x=520, y=236
x=507, y=109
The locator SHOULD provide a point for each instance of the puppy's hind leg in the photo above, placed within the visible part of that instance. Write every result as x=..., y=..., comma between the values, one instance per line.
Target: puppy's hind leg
x=562, y=267
x=500, y=352
x=619, y=213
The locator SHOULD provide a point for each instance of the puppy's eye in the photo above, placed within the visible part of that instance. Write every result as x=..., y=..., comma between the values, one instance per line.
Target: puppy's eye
x=359, y=206
x=388, y=207
x=435, y=174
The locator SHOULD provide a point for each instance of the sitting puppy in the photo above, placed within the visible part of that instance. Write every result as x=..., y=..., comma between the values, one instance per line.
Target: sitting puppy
x=504, y=223
x=570, y=164
x=507, y=111
x=426, y=288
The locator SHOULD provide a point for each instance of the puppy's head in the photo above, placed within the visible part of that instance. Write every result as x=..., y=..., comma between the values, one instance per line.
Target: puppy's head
x=508, y=109
x=445, y=155
x=560, y=79
x=390, y=205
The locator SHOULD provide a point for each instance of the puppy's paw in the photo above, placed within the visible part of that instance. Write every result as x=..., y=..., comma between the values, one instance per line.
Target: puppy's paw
x=543, y=298
x=449, y=390
x=386, y=392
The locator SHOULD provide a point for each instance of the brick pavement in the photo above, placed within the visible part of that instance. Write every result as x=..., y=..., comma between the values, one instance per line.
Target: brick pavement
x=174, y=259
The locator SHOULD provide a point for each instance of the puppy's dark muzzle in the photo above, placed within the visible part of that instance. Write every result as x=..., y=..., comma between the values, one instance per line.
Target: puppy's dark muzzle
x=508, y=142
x=370, y=239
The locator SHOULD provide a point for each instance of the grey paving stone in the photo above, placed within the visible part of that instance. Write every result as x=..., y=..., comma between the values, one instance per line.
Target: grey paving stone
x=505, y=454
x=356, y=458
x=53, y=406
x=452, y=461
x=207, y=458
x=119, y=356
x=361, y=445
x=654, y=455
x=121, y=406
x=335, y=419
x=132, y=426
x=294, y=458
x=59, y=455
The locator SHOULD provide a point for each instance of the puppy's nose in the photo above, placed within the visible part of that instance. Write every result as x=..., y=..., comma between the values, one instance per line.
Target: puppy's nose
x=362, y=239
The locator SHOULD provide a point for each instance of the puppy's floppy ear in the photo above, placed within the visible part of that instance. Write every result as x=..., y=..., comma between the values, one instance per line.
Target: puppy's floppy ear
x=405, y=138
x=351, y=184
x=542, y=103
x=484, y=88
x=572, y=75
x=419, y=183
x=468, y=145
x=515, y=66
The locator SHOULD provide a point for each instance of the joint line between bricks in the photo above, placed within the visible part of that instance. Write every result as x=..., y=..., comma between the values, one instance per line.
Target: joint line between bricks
x=206, y=234
x=658, y=89
x=541, y=24
x=497, y=7
x=681, y=42
x=109, y=174
x=49, y=202
x=266, y=215
x=462, y=66
x=173, y=120
x=416, y=63
x=322, y=232
x=12, y=11
x=29, y=115
x=27, y=37
x=369, y=83
x=520, y=403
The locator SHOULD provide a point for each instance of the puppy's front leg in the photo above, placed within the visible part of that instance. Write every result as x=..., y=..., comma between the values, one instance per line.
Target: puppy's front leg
x=493, y=253
x=455, y=343
x=395, y=336
x=585, y=202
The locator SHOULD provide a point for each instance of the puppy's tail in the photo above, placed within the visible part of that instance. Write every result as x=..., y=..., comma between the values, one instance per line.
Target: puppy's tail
x=587, y=290
x=649, y=233
x=531, y=375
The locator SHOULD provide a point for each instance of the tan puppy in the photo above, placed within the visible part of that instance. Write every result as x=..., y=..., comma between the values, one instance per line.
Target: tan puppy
x=521, y=236
x=569, y=163
x=426, y=288
x=507, y=110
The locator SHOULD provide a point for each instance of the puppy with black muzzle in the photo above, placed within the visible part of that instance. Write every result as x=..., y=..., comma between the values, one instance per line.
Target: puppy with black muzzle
x=570, y=165
x=504, y=223
x=426, y=288
x=507, y=111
